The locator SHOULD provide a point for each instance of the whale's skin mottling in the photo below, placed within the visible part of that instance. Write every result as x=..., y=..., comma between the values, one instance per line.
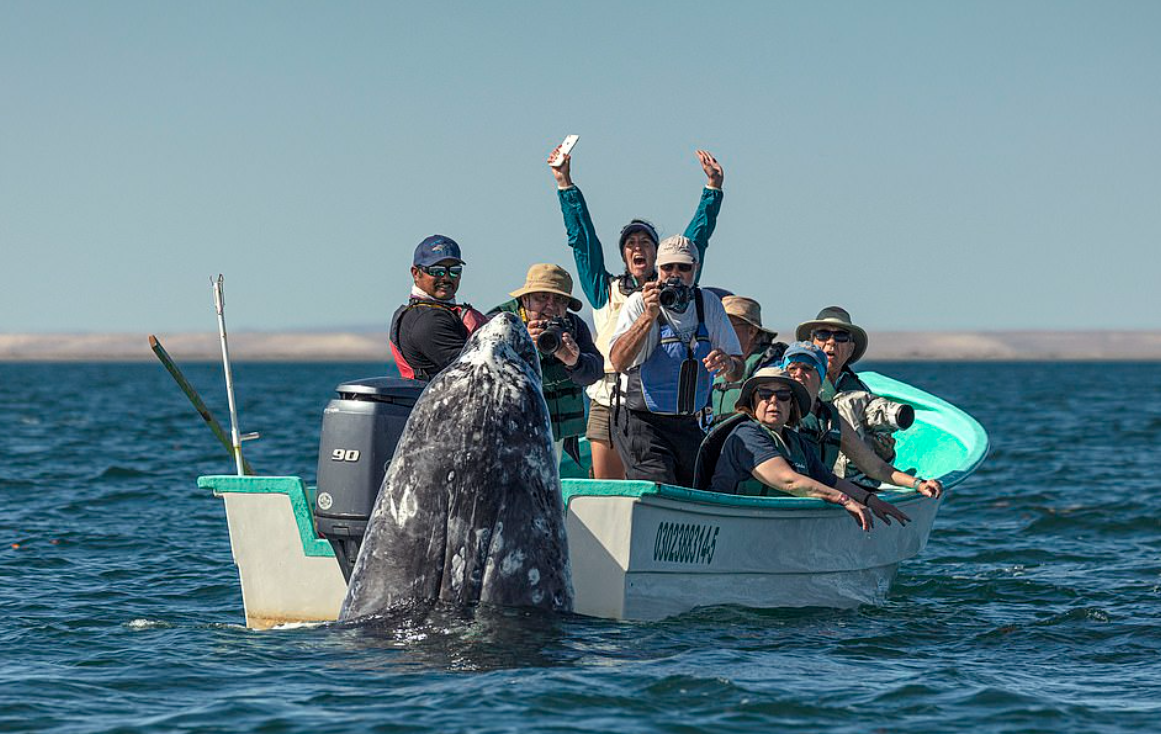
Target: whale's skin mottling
x=470, y=510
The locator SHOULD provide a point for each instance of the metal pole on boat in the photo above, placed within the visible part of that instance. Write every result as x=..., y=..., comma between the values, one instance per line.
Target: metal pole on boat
x=236, y=439
x=192, y=394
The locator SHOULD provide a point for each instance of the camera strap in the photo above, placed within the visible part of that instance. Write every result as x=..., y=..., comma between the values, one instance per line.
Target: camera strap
x=688, y=373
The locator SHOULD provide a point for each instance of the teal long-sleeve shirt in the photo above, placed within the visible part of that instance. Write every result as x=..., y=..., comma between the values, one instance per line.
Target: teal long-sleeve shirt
x=586, y=247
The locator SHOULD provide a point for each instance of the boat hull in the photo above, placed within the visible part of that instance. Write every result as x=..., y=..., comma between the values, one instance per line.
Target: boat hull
x=653, y=556
x=641, y=550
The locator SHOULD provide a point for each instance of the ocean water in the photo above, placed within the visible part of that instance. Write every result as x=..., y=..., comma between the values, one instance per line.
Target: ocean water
x=1035, y=607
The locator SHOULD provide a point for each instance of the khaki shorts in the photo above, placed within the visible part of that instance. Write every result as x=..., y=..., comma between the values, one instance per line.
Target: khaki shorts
x=600, y=425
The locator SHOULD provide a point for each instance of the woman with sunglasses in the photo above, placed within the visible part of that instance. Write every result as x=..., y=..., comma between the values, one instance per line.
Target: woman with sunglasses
x=607, y=291
x=763, y=455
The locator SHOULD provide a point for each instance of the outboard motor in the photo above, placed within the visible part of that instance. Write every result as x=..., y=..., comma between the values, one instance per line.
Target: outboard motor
x=360, y=429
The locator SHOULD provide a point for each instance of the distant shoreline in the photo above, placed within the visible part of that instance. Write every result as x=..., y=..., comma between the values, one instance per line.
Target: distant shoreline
x=360, y=346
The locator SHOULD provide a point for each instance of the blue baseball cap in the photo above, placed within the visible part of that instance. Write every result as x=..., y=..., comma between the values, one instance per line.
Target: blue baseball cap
x=434, y=249
x=808, y=353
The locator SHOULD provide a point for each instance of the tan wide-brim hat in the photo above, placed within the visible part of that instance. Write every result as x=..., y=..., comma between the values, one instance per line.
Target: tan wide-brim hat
x=748, y=310
x=834, y=317
x=775, y=376
x=549, y=278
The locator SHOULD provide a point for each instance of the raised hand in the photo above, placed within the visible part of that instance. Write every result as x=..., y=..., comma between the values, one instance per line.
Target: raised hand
x=713, y=169
x=563, y=172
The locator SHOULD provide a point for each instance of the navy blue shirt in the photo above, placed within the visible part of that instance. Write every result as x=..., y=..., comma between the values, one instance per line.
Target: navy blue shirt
x=749, y=445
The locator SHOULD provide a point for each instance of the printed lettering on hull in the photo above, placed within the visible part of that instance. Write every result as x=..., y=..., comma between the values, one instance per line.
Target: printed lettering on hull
x=692, y=543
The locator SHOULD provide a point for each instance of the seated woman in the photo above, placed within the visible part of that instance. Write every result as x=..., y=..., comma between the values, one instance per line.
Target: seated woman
x=762, y=454
x=829, y=433
x=758, y=350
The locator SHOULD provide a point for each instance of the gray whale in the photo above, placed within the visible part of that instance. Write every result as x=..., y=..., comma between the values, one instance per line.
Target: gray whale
x=470, y=509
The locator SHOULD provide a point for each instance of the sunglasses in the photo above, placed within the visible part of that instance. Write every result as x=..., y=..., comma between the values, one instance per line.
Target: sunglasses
x=766, y=393
x=822, y=335
x=680, y=267
x=439, y=271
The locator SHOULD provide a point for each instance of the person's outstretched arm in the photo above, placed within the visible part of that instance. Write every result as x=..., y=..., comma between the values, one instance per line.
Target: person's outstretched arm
x=582, y=235
x=705, y=219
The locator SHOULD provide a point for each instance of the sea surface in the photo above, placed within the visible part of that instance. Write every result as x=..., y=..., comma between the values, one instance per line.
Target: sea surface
x=1036, y=607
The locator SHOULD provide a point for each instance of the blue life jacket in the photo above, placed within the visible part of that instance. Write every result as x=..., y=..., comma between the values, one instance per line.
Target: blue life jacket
x=657, y=386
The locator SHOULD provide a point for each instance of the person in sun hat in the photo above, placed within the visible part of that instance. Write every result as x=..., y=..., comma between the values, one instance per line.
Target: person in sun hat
x=607, y=291
x=670, y=340
x=546, y=300
x=759, y=452
x=758, y=349
x=831, y=435
x=844, y=344
x=430, y=330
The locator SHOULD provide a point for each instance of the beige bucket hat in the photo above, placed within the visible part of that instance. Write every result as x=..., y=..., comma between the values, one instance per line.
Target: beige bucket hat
x=775, y=376
x=549, y=278
x=834, y=317
x=748, y=310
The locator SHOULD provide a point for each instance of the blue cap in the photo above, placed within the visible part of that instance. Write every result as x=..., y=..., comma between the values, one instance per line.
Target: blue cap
x=638, y=225
x=808, y=353
x=436, y=248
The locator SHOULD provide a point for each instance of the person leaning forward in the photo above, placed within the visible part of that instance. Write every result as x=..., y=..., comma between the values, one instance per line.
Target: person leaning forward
x=758, y=349
x=607, y=291
x=669, y=354
x=545, y=300
x=429, y=331
x=845, y=343
x=762, y=454
x=830, y=434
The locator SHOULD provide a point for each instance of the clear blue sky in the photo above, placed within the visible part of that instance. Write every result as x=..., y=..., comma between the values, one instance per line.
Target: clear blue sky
x=982, y=165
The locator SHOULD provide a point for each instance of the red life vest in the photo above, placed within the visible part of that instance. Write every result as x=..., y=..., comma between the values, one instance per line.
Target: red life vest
x=468, y=316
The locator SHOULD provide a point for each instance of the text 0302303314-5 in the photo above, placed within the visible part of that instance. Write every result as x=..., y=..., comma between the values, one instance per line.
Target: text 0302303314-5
x=685, y=543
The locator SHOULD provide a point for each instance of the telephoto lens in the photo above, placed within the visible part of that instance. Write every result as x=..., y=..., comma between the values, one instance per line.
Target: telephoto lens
x=886, y=416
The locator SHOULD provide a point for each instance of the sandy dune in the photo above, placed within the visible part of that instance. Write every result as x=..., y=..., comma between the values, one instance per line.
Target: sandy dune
x=372, y=346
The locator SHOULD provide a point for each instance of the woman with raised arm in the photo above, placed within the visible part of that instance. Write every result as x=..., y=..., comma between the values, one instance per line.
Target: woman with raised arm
x=607, y=291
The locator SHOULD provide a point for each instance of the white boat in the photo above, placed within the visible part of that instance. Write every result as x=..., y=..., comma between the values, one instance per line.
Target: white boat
x=641, y=550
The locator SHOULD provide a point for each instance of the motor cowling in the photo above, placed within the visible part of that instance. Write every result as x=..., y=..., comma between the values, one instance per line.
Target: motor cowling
x=360, y=429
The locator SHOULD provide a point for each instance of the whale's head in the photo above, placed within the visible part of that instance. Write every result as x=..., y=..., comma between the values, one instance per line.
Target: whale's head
x=503, y=338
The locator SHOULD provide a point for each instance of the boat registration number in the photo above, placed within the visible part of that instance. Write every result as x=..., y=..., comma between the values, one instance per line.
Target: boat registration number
x=685, y=543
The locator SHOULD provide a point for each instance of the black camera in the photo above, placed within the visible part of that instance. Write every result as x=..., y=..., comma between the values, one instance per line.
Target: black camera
x=549, y=340
x=675, y=295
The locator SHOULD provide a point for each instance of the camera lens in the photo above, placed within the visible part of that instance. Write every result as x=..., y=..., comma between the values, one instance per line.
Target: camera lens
x=550, y=339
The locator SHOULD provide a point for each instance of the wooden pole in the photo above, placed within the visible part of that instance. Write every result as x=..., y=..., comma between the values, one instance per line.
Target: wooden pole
x=194, y=398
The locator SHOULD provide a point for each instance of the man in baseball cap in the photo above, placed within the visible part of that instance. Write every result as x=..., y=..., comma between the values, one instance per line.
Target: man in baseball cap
x=430, y=330
x=670, y=341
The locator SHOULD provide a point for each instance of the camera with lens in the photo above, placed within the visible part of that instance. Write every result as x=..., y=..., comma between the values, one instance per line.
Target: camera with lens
x=675, y=295
x=549, y=340
x=886, y=416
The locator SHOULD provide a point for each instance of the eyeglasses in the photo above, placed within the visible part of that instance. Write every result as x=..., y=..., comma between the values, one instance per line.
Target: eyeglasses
x=822, y=335
x=439, y=271
x=766, y=393
x=541, y=298
x=680, y=267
